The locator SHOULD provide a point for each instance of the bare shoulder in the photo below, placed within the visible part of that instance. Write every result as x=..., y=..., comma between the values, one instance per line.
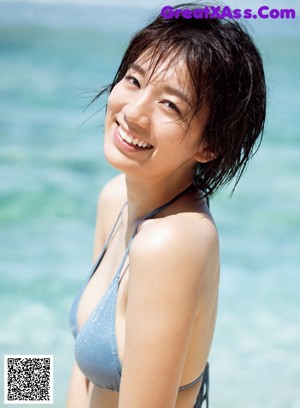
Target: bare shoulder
x=185, y=246
x=184, y=235
x=113, y=192
x=111, y=199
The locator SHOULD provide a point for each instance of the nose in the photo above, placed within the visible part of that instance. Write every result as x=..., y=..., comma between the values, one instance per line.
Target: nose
x=137, y=111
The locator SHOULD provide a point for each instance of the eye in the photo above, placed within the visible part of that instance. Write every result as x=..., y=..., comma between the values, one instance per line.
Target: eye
x=132, y=80
x=171, y=106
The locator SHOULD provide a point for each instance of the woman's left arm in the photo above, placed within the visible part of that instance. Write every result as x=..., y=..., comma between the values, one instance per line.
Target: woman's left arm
x=169, y=273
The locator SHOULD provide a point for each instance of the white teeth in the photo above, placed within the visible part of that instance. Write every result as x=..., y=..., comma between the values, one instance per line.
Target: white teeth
x=130, y=140
x=123, y=133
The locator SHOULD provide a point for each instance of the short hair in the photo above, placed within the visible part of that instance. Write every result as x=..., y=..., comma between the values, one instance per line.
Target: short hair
x=227, y=75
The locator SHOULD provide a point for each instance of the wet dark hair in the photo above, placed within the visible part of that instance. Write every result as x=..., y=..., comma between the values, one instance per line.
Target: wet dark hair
x=227, y=75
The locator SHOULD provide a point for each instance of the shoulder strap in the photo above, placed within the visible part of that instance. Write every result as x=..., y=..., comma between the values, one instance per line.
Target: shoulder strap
x=148, y=216
x=107, y=242
x=167, y=204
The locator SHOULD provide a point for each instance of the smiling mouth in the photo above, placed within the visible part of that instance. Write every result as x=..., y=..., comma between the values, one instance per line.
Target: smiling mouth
x=132, y=141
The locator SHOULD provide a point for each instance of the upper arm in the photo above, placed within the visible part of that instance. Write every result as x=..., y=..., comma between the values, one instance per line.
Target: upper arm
x=78, y=389
x=167, y=275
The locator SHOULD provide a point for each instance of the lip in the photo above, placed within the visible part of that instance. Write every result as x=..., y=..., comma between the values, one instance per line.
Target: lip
x=122, y=145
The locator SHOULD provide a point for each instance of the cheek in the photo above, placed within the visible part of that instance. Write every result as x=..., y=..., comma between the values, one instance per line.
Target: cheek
x=116, y=99
x=111, y=104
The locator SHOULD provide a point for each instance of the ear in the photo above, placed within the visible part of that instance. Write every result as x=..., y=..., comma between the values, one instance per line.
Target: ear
x=204, y=155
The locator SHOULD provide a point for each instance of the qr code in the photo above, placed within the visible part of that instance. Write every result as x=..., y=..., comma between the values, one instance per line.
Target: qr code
x=28, y=379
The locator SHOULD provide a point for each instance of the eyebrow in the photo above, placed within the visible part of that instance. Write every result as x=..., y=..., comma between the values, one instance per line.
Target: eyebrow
x=167, y=88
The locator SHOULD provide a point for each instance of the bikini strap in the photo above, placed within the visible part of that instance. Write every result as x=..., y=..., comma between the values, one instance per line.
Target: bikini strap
x=184, y=387
x=204, y=390
x=107, y=242
x=148, y=216
x=167, y=204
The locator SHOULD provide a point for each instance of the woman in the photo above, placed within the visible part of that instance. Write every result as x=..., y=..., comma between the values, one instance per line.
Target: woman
x=184, y=112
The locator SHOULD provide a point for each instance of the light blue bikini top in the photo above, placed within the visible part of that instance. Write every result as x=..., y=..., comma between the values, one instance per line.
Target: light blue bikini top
x=96, y=350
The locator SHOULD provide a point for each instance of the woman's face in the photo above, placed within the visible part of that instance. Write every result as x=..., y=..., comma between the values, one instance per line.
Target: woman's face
x=148, y=131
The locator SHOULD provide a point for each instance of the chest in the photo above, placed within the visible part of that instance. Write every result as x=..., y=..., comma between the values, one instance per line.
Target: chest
x=114, y=262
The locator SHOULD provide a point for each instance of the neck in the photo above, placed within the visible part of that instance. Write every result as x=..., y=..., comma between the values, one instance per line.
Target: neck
x=145, y=197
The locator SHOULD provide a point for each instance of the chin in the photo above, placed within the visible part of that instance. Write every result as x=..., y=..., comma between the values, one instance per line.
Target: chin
x=115, y=158
x=112, y=156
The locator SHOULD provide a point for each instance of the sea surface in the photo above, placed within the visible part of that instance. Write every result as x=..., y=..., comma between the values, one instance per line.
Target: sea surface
x=53, y=59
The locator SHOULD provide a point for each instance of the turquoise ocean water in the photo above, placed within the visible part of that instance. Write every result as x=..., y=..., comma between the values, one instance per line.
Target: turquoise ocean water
x=52, y=60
